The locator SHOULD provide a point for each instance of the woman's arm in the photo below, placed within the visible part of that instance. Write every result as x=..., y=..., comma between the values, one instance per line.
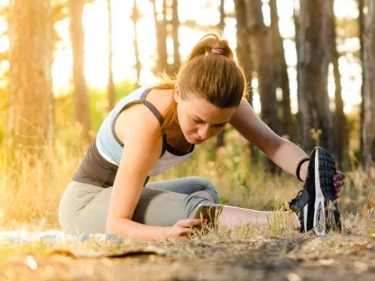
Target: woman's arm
x=284, y=153
x=138, y=130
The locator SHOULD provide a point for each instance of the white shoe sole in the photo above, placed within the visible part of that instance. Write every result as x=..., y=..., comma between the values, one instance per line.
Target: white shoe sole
x=319, y=212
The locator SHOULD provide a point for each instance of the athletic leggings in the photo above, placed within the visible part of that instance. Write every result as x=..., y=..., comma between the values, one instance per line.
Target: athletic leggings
x=84, y=207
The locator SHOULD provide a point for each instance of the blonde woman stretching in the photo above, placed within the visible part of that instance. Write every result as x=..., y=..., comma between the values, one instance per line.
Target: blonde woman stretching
x=154, y=128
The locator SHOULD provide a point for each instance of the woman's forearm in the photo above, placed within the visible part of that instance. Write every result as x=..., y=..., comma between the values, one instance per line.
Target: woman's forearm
x=129, y=229
x=287, y=157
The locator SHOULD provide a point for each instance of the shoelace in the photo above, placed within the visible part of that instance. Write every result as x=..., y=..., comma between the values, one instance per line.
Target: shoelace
x=289, y=206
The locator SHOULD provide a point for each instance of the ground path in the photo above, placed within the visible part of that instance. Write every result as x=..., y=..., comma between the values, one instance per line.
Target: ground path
x=344, y=257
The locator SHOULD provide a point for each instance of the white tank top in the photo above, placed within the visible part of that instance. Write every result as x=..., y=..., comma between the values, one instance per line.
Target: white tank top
x=110, y=147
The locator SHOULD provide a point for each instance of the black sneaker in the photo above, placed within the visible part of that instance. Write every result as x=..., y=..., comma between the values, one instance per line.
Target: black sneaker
x=299, y=205
x=315, y=204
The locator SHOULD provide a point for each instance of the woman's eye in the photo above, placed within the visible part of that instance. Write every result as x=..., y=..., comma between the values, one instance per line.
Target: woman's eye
x=197, y=121
x=220, y=125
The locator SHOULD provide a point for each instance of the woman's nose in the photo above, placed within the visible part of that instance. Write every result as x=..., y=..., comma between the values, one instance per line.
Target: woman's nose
x=204, y=132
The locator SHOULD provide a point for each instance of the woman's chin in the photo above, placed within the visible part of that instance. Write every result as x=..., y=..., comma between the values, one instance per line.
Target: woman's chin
x=193, y=140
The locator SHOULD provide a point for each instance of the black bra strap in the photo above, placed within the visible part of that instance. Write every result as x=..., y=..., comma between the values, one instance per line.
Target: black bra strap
x=154, y=110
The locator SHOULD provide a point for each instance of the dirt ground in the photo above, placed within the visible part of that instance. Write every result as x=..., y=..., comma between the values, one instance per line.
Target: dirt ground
x=344, y=257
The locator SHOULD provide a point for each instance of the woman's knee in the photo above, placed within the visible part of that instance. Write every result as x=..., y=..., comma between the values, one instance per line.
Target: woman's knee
x=209, y=188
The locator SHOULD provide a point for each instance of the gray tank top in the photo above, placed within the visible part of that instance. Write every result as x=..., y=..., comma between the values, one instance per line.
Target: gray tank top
x=99, y=166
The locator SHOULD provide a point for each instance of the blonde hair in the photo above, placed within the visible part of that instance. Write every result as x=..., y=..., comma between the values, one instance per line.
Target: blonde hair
x=209, y=72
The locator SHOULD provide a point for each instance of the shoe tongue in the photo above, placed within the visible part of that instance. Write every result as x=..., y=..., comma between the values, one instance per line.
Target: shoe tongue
x=300, y=201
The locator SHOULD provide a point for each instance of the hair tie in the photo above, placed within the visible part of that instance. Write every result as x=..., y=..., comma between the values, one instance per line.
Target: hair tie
x=299, y=167
x=217, y=51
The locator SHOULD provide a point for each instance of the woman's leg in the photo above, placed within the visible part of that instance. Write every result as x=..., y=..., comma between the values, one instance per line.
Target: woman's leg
x=232, y=217
x=84, y=207
x=198, y=186
x=165, y=208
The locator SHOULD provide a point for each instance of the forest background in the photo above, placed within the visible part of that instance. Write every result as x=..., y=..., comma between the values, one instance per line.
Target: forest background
x=65, y=63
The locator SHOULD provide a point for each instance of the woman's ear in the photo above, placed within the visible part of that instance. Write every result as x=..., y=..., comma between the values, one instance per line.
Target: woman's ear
x=177, y=93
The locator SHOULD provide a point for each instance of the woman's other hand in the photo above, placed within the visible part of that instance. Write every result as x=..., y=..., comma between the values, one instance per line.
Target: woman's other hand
x=338, y=182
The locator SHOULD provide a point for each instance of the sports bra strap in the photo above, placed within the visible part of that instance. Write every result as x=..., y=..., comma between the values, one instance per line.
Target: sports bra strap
x=154, y=110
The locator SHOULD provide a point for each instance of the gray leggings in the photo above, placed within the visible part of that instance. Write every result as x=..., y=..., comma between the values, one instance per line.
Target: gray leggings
x=84, y=207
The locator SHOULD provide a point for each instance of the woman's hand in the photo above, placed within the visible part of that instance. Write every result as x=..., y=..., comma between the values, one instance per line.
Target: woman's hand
x=184, y=227
x=338, y=182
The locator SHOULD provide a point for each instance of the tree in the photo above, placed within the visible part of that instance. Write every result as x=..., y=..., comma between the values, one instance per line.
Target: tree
x=261, y=56
x=280, y=72
x=81, y=113
x=31, y=106
x=161, y=36
x=361, y=27
x=175, y=24
x=111, y=84
x=368, y=129
x=262, y=60
x=220, y=140
x=243, y=41
x=340, y=122
x=167, y=24
x=135, y=17
x=243, y=51
x=314, y=37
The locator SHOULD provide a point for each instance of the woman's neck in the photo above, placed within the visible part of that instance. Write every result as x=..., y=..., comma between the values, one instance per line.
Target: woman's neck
x=176, y=139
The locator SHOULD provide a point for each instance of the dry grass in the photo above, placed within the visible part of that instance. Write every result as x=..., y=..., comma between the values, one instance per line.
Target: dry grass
x=29, y=194
x=31, y=187
x=29, y=197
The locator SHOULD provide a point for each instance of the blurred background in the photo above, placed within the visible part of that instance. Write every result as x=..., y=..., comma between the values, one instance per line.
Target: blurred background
x=65, y=63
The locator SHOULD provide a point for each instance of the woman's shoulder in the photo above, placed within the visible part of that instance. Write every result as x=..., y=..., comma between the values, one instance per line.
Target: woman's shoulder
x=139, y=115
x=160, y=98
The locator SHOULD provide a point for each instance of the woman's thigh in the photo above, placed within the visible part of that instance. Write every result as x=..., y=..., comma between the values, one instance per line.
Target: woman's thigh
x=84, y=208
x=164, y=208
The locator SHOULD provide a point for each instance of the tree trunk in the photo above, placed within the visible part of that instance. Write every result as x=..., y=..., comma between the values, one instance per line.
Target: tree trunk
x=220, y=140
x=244, y=47
x=341, y=127
x=31, y=109
x=221, y=24
x=111, y=84
x=161, y=38
x=135, y=18
x=243, y=54
x=262, y=58
x=314, y=54
x=303, y=132
x=175, y=22
x=368, y=129
x=361, y=25
x=81, y=112
x=281, y=73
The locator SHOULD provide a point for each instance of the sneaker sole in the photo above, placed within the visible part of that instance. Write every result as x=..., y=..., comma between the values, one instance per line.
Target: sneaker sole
x=323, y=206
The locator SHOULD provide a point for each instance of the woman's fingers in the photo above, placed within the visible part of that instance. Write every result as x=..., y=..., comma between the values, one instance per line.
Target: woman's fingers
x=188, y=223
x=338, y=176
x=185, y=226
x=338, y=182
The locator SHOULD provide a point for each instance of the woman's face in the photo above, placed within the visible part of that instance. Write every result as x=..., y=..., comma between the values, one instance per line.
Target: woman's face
x=200, y=120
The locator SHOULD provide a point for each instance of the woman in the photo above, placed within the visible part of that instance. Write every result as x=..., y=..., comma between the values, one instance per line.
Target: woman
x=152, y=129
